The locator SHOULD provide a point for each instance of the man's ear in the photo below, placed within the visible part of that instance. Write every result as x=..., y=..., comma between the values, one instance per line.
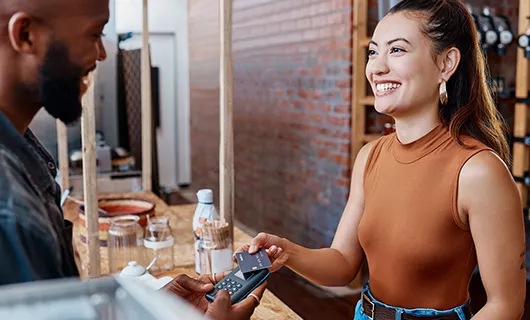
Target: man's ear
x=449, y=63
x=22, y=32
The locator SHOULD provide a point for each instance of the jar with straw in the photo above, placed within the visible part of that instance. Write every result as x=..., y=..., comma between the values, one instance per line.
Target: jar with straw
x=215, y=247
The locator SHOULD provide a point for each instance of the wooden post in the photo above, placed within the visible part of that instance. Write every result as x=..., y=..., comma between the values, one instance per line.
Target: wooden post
x=520, y=151
x=62, y=150
x=147, y=148
x=358, y=90
x=88, y=129
x=226, y=148
x=359, y=100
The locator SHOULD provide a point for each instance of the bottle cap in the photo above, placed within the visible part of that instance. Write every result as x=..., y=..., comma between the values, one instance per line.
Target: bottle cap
x=205, y=196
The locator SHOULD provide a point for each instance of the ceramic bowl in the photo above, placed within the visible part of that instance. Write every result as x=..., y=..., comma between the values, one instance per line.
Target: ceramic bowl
x=115, y=207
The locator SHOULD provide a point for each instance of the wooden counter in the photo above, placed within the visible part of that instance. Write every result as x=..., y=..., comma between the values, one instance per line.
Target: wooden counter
x=180, y=218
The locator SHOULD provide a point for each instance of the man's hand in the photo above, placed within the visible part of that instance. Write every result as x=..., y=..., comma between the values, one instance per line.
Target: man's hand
x=194, y=290
x=222, y=309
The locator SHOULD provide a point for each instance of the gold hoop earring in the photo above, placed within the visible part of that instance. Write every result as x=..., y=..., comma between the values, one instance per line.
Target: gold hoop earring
x=444, y=97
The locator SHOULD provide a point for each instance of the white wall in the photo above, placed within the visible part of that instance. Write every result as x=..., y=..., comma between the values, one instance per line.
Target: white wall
x=183, y=92
x=166, y=18
x=106, y=86
x=163, y=57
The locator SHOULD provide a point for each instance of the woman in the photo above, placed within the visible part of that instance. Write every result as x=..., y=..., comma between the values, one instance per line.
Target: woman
x=434, y=199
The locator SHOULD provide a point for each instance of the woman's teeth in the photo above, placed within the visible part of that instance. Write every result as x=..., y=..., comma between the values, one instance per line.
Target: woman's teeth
x=382, y=87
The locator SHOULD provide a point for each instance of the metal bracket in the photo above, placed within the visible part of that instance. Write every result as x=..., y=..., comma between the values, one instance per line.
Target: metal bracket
x=524, y=140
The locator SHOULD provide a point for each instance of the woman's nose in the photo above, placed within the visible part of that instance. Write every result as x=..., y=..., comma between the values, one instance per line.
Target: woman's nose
x=379, y=65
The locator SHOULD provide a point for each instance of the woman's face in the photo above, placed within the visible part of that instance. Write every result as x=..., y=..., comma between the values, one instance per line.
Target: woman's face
x=401, y=70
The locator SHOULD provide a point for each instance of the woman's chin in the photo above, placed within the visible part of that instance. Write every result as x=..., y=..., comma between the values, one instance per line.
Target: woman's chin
x=384, y=108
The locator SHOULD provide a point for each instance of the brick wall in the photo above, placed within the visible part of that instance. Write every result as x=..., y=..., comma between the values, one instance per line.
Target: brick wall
x=292, y=78
x=292, y=111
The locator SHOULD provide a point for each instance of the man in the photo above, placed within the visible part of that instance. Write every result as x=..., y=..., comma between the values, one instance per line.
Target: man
x=47, y=50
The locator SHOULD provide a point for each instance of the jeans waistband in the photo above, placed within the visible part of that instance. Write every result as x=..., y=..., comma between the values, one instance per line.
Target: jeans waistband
x=459, y=310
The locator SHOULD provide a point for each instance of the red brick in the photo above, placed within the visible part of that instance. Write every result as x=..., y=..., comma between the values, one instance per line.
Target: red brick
x=343, y=83
x=338, y=121
x=342, y=108
x=324, y=107
x=310, y=105
x=303, y=94
x=344, y=183
x=346, y=148
x=346, y=95
x=316, y=95
x=321, y=153
x=317, y=71
x=340, y=159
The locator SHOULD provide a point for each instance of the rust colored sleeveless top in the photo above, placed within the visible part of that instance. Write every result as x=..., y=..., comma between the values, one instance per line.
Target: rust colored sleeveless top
x=419, y=253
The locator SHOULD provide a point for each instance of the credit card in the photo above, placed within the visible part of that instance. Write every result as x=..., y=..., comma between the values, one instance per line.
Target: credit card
x=253, y=262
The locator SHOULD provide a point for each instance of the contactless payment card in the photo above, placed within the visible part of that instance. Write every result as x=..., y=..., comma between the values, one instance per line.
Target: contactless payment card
x=253, y=262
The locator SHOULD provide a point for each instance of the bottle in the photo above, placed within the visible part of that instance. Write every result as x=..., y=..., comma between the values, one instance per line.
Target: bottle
x=205, y=211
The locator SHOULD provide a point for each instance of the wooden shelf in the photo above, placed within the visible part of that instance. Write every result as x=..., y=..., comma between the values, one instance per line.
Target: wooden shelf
x=520, y=151
x=365, y=42
x=367, y=101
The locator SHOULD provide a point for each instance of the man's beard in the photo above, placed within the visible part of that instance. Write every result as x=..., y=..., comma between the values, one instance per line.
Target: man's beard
x=59, y=84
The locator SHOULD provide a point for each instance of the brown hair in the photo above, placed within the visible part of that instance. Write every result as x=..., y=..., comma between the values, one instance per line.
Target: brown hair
x=471, y=109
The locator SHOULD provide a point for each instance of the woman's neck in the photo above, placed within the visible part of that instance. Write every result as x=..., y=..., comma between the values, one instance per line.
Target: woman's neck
x=411, y=128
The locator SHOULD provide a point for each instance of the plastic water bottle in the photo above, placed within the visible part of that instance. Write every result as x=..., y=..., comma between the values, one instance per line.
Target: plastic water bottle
x=205, y=211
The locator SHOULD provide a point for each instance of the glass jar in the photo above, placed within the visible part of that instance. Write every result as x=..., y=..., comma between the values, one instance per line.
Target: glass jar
x=215, y=248
x=125, y=242
x=159, y=242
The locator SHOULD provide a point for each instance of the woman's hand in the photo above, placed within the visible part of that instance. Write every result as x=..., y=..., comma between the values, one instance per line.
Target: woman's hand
x=273, y=245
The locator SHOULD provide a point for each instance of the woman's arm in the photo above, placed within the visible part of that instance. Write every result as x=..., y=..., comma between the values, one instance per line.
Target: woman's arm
x=333, y=266
x=489, y=196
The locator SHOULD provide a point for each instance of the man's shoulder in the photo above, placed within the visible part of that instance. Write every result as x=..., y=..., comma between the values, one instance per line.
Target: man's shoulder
x=20, y=202
x=13, y=177
x=8, y=159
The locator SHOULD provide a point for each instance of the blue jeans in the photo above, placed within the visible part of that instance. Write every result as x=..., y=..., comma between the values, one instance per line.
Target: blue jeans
x=360, y=315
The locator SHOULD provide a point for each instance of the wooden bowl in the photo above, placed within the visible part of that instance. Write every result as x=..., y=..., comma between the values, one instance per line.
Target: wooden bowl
x=116, y=207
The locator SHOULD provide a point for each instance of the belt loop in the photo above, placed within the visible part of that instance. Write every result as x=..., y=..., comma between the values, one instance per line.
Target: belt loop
x=399, y=312
x=460, y=313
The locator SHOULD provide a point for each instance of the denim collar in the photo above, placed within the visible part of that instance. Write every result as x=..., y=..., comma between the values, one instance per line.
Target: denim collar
x=37, y=162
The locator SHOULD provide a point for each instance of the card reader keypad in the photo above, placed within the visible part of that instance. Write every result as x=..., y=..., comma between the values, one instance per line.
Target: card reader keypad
x=230, y=285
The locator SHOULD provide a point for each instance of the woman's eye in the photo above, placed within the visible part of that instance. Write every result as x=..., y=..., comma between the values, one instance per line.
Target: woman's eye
x=394, y=50
x=371, y=53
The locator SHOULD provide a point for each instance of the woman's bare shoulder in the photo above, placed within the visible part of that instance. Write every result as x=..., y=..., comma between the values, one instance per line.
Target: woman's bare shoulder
x=486, y=176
